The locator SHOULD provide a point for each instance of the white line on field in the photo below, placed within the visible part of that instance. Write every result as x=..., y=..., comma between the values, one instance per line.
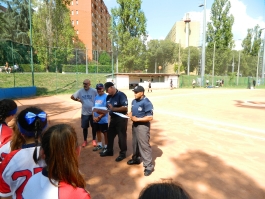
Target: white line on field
x=194, y=93
x=211, y=121
x=230, y=131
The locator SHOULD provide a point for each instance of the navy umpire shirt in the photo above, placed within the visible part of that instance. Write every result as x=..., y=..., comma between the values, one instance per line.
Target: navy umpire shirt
x=119, y=99
x=142, y=107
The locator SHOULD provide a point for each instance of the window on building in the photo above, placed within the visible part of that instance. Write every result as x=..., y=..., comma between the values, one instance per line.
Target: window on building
x=76, y=2
x=77, y=12
x=77, y=32
x=72, y=2
x=72, y=12
x=73, y=23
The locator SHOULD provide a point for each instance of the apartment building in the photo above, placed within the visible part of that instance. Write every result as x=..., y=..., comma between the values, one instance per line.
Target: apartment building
x=178, y=33
x=187, y=33
x=90, y=19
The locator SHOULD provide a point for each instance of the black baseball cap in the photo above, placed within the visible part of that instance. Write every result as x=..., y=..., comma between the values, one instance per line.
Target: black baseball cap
x=99, y=86
x=108, y=84
x=138, y=89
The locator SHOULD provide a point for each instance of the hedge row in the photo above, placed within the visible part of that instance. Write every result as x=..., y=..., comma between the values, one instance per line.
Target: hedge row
x=69, y=68
x=91, y=68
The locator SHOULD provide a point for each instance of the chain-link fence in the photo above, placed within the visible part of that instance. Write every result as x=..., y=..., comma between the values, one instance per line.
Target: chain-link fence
x=53, y=69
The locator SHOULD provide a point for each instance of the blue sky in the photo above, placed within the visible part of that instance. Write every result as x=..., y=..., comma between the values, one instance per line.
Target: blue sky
x=162, y=14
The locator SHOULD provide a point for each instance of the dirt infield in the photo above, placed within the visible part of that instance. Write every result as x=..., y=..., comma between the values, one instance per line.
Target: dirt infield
x=210, y=140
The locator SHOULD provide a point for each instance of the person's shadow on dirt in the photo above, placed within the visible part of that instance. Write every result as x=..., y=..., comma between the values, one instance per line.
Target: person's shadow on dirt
x=156, y=152
x=205, y=176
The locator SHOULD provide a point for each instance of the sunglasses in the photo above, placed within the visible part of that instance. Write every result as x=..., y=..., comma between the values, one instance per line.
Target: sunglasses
x=85, y=83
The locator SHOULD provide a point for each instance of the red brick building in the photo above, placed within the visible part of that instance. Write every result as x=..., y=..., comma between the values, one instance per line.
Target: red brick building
x=91, y=19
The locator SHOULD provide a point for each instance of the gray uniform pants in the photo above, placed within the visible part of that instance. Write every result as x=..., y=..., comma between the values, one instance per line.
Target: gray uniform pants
x=140, y=142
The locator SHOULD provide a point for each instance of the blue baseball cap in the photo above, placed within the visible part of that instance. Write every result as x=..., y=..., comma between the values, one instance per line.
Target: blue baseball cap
x=99, y=86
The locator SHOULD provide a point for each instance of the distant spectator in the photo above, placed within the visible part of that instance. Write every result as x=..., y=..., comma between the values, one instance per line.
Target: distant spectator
x=207, y=82
x=168, y=190
x=171, y=84
x=258, y=82
x=149, y=86
x=254, y=83
x=7, y=68
x=223, y=82
x=16, y=68
x=193, y=83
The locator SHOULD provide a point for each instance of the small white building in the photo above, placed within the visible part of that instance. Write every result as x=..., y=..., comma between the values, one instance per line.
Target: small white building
x=130, y=80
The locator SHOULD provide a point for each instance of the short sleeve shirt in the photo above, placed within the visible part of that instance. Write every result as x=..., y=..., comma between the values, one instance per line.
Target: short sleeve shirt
x=119, y=99
x=87, y=98
x=16, y=169
x=100, y=101
x=142, y=108
x=5, y=133
x=40, y=186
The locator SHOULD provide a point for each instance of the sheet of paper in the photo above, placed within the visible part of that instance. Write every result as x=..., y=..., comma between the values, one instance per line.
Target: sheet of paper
x=100, y=109
x=121, y=115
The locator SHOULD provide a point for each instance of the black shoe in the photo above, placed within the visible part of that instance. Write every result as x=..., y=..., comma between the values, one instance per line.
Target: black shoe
x=103, y=150
x=119, y=158
x=133, y=161
x=106, y=153
x=147, y=172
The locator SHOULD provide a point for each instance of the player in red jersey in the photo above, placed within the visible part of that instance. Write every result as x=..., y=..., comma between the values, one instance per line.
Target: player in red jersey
x=8, y=109
x=61, y=178
x=18, y=166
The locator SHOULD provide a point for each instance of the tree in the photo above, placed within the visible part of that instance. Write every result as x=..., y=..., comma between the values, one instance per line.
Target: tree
x=53, y=33
x=219, y=32
x=160, y=53
x=251, y=44
x=2, y=22
x=194, y=58
x=128, y=31
x=104, y=58
x=251, y=47
x=15, y=34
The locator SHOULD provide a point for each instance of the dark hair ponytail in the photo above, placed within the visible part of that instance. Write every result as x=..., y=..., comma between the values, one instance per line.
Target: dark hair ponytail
x=38, y=130
x=7, y=107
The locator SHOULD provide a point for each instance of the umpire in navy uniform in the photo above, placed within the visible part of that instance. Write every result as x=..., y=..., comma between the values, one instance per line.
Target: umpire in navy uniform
x=141, y=114
x=116, y=102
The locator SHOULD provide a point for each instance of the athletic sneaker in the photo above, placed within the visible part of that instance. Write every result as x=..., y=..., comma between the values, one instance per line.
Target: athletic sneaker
x=84, y=144
x=103, y=150
x=94, y=143
x=97, y=148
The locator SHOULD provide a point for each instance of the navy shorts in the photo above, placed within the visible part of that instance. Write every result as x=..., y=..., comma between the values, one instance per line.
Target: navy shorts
x=85, y=120
x=103, y=128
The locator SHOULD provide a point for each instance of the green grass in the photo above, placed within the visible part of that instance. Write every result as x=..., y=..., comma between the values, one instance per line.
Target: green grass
x=50, y=83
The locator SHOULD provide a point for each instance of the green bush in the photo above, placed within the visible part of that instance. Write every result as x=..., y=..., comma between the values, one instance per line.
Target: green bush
x=82, y=68
x=69, y=68
x=37, y=68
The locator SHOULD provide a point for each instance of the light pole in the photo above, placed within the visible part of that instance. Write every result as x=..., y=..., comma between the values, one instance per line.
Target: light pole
x=179, y=58
x=31, y=52
x=213, y=61
x=263, y=62
x=187, y=22
x=238, y=69
x=203, y=42
x=233, y=64
x=112, y=67
x=257, y=73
